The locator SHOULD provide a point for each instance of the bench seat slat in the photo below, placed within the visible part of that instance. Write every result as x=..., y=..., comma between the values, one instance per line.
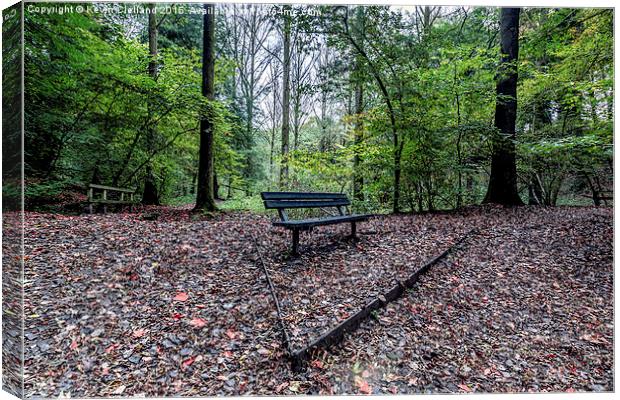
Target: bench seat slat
x=302, y=196
x=311, y=222
x=270, y=204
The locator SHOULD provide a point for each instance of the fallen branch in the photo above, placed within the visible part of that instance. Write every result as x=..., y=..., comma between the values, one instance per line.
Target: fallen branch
x=335, y=335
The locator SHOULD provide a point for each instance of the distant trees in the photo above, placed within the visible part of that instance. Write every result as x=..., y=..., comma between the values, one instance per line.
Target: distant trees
x=503, y=181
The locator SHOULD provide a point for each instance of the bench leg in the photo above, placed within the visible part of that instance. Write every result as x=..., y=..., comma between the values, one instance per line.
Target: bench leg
x=353, y=229
x=295, y=242
x=90, y=208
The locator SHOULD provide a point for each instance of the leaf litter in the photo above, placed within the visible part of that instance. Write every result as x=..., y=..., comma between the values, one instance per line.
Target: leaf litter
x=178, y=306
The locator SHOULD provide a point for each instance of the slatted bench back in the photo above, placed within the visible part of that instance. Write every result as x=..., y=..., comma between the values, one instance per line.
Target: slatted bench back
x=276, y=200
x=110, y=194
x=283, y=200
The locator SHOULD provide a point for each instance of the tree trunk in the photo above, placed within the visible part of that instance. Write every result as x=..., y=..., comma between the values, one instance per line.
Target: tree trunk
x=216, y=186
x=204, y=197
x=286, y=94
x=150, y=195
x=503, y=181
x=358, y=177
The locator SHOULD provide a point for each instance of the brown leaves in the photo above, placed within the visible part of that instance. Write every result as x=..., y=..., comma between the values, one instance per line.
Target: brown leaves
x=149, y=335
x=595, y=338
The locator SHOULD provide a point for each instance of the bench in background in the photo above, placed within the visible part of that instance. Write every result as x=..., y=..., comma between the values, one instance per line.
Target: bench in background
x=282, y=201
x=108, y=195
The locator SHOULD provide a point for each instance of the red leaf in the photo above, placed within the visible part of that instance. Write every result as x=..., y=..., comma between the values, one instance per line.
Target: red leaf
x=230, y=333
x=189, y=361
x=139, y=333
x=464, y=387
x=177, y=316
x=317, y=364
x=181, y=296
x=74, y=345
x=362, y=385
x=112, y=347
x=198, y=322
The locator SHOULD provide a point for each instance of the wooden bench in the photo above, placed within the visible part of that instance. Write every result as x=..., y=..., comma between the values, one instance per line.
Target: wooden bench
x=603, y=195
x=108, y=195
x=282, y=201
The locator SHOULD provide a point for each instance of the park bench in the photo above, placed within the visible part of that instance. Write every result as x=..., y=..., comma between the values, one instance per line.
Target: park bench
x=108, y=195
x=282, y=201
x=603, y=195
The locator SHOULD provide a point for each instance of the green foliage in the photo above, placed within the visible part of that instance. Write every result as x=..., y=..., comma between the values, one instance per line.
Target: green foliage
x=428, y=105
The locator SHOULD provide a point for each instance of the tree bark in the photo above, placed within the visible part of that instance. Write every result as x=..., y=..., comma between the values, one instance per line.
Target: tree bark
x=150, y=195
x=502, y=187
x=286, y=94
x=358, y=177
x=204, y=197
x=216, y=186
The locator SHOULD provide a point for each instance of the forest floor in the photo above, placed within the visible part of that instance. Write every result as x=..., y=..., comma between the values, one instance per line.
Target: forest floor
x=163, y=303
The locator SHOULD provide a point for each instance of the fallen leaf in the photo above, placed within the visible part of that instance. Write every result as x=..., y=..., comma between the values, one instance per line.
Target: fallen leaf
x=138, y=333
x=464, y=387
x=111, y=348
x=181, y=296
x=120, y=389
x=362, y=385
x=198, y=322
x=595, y=338
x=188, y=362
x=281, y=387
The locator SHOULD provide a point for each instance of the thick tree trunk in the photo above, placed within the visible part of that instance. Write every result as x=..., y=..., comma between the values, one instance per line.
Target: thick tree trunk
x=286, y=95
x=503, y=182
x=204, y=197
x=150, y=195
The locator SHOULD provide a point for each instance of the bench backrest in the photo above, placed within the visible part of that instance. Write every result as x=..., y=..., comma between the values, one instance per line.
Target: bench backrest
x=111, y=188
x=104, y=193
x=283, y=200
